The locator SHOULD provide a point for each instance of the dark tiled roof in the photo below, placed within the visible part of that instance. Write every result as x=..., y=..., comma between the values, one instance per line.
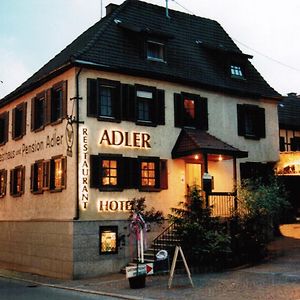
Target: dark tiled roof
x=289, y=112
x=196, y=51
x=191, y=141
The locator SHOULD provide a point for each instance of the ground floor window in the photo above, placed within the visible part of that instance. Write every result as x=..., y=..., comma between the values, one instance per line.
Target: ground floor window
x=17, y=178
x=108, y=237
x=115, y=173
x=49, y=175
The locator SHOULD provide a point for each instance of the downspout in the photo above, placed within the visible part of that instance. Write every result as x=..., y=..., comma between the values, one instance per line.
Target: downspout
x=77, y=145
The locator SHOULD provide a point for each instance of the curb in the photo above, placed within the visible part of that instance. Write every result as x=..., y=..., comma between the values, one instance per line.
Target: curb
x=129, y=297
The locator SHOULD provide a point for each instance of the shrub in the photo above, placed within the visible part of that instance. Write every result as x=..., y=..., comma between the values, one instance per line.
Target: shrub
x=204, y=238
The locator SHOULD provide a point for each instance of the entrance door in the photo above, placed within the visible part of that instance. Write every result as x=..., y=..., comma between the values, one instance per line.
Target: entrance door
x=192, y=175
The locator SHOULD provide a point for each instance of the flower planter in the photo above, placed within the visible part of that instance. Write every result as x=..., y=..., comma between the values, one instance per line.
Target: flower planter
x=137, y=282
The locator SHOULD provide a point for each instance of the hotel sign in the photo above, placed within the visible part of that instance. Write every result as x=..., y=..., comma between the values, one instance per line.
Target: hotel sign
x=125, y=139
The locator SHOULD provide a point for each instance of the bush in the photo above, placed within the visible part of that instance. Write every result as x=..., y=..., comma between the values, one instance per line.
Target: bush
x=204, y=238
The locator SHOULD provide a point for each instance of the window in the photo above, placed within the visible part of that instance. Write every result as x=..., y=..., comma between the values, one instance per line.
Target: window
x=58, y=173
x=58, y=105
x=106, y=172
x=251, y=121
x=144, y=105
x=40, y=176
x=190, y=111
x=38, y=111
x=19, y=121
x=114, y=173
x=155, y=51
x=3, y=181
x=236, y=71
x=295, y=144
x=17, y=178
x=108, y=236
x=4, y=128
x=104, y=99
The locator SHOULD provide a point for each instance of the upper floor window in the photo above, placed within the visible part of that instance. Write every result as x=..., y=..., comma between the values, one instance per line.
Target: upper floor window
x=17, y=179
x=38, y=111
x=251, y=121
x=3, y=182
x=104, y=99
x=58, y=102
x=112, y=101
x=190, y=111
x=4, y=128
x=19, y=121
x=155, y=51
x=40, y=176
x=236, y=71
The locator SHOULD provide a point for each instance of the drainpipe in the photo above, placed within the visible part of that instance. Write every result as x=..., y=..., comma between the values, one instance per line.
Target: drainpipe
x=77, y=145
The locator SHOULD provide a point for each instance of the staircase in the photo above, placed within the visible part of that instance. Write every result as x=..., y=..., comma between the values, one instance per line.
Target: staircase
x=167, y=240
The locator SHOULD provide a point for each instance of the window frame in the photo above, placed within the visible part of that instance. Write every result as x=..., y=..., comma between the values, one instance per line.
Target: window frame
x=149, y=159
x=4, y=121
x=3, y=176
x=256, y=116
x=237, y=71
x=43, y=177
x=112, y=229
x=161, y=57
x=16, y=174
x=19, y=118
x=38, y=112
x=63, y=178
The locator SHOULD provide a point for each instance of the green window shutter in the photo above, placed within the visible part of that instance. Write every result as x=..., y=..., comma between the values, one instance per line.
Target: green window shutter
x=95, y=163
x=241, y=119
x=160, y=107
x=178, y=113
x=164, y=174
x=128, y=102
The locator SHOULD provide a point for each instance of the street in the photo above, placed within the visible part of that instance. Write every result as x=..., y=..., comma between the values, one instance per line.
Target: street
x=13, y=289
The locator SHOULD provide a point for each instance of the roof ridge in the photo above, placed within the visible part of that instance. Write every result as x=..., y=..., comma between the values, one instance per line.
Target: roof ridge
x=101, y=29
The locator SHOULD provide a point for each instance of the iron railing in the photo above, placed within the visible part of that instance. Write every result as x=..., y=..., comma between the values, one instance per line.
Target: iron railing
x=223, y=204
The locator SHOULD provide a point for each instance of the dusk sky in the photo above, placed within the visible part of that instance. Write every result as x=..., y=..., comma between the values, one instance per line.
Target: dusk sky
x=34, y=31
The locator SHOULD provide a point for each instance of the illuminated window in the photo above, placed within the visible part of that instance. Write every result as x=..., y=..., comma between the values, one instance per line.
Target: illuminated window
x=40, y=176
x=189, y=109
x=236, y=71
x=3, y=180
x=17, y=178
x=109, y=172
x=148, y=174
x=58, y=173
x=108, y=236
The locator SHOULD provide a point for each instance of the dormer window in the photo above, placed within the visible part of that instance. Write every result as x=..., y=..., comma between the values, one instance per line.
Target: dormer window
x=236, y=71
x=155, y=51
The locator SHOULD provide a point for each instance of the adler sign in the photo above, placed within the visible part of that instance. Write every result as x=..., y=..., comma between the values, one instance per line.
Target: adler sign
x=125, y=139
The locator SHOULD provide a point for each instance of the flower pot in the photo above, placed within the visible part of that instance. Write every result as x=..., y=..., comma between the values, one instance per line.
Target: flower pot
x=137, y=282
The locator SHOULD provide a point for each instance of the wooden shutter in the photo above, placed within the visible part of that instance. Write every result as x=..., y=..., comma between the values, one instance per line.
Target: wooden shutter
x=261, y=123
x=4, y=121
x=129, y=173
x=32, y=177
x=11, y=182
x=52, y=174
x=128, y=102
x=241, y=119
x=160, y=107
x=33, y=125
x=203, y=114
x=64, y=172
x=47, y=107
x=117, y=102
x=95, y=164
x=92, y=98
x=24, y=118
x=64, y=104
x=13, y=128
x=178, y=110
x=163, y=174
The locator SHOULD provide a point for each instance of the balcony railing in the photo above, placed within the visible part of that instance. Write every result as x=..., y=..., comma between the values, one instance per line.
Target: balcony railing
x=223, y=204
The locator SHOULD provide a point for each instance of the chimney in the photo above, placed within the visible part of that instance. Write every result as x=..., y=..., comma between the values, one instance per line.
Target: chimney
x=110, y=8
x=292, y=95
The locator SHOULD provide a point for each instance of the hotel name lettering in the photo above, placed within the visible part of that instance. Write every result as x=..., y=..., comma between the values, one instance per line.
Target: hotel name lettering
x=125, y=139
x=50, y=141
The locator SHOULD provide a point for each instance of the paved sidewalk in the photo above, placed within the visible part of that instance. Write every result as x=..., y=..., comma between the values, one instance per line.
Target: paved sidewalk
x=278, y=278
